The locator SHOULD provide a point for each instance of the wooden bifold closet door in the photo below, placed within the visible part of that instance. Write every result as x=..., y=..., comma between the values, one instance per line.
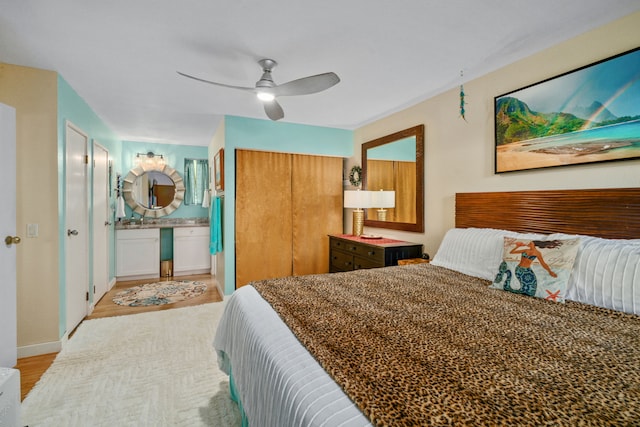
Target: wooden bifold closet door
x=286, y=205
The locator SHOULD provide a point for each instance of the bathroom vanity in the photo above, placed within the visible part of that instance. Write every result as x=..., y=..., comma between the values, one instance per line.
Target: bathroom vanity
x=138, y=247
x=155, y=191
x=191, y=250
x=137, y=253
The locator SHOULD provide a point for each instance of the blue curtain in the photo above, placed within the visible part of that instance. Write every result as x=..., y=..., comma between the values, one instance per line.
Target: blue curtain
x=196, y=178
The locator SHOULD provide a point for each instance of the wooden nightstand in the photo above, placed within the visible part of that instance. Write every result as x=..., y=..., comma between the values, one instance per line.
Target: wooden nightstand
x=347, y=252
x=413, y=261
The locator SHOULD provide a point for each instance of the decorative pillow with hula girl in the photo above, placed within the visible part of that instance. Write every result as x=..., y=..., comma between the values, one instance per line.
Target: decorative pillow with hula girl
x=537, y=268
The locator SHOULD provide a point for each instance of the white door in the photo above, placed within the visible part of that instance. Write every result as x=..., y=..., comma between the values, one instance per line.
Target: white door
x=8, y=303
x=101, y=221
x=77, y=227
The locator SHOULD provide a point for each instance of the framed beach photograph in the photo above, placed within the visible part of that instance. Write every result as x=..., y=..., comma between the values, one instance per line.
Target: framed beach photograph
x=218, y=169
x=587, y=115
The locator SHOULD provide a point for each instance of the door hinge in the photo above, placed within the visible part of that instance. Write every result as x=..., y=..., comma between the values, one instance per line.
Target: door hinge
x=86, y=159
x=87, y=295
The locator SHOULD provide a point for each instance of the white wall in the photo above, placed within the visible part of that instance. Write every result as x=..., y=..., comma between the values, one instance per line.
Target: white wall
x=459, y=155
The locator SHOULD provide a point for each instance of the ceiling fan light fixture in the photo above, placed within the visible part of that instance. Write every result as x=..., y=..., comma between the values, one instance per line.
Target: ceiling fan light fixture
x=265, y=96
x=267, y=91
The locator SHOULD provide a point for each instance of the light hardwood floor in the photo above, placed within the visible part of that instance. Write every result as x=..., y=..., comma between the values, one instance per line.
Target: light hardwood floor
x=32, y=368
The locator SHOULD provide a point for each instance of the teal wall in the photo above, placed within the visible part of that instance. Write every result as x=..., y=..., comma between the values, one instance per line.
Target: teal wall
x=73, y=108
x=266, y=135
x=174, y=156
x=403, y=150
x=240, y=133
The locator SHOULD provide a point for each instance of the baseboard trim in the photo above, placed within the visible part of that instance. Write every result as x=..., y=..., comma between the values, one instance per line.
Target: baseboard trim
x=220, y=290
x=138, y=277
x=39, y=349
x=191, y=272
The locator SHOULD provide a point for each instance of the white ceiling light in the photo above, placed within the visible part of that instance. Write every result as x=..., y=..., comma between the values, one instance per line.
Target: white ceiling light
x=265, y=96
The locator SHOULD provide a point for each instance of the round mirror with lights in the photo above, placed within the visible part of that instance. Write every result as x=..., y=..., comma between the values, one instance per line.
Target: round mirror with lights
x=153, y=192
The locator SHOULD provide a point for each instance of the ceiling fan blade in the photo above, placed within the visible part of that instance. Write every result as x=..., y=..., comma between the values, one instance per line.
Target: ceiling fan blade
x=274, y=110
x=307, y=85
x=251, y=89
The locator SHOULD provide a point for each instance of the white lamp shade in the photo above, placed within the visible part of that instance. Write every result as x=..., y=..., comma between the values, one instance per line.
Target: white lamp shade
x=384, y=199
x=358, y=199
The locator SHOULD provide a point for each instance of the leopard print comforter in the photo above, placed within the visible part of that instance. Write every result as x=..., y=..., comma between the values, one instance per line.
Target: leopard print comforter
x=422, y=345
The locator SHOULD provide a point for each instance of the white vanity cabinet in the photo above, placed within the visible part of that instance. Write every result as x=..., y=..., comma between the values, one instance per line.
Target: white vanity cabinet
x=191, y=251
x=138, y=253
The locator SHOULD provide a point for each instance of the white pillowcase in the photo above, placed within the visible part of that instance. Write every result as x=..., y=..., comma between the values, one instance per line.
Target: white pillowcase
x=606, y=273
x=476, y=251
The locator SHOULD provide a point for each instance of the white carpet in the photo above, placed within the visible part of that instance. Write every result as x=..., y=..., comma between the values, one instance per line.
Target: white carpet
x=150, y=369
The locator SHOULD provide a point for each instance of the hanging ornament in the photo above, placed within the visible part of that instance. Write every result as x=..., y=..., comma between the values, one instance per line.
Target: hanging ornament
x=462, y=103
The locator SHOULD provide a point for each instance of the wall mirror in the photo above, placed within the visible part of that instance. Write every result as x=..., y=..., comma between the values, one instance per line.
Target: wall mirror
x=153, y=192
x=396, y=163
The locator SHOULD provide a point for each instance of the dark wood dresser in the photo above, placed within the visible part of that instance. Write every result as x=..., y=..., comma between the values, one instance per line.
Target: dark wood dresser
x=347, y=252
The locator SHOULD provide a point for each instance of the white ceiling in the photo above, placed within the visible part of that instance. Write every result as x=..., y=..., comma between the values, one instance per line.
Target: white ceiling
x=121, y=56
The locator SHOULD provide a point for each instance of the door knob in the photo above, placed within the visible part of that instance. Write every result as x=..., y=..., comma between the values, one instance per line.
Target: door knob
x=72, y=232
x=12, y=240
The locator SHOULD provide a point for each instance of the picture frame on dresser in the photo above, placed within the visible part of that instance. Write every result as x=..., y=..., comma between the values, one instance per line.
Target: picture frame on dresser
x=218, y=170
x=587, y=115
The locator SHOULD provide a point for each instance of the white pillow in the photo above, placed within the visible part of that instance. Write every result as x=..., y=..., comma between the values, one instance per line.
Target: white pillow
x=475, y=251
x=606, y=273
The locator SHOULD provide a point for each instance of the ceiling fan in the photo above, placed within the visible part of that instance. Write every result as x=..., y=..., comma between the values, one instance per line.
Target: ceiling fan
x=267, y=91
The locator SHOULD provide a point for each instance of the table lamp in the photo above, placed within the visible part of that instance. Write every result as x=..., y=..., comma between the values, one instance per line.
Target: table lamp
x=381, y=200
x=358, y=199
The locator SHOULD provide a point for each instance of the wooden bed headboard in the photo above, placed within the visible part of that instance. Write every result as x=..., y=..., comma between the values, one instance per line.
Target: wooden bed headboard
x=609, y=213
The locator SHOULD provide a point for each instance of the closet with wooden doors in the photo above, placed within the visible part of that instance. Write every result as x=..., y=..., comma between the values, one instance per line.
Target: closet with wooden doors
x=286, y=206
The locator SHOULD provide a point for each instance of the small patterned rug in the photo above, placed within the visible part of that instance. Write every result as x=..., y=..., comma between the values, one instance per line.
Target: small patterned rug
x=159, y=293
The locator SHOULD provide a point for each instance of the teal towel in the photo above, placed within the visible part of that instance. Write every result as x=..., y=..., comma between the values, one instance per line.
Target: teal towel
x=216, y=227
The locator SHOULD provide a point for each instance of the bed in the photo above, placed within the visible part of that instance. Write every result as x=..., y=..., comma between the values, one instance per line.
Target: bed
x=450, y=342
